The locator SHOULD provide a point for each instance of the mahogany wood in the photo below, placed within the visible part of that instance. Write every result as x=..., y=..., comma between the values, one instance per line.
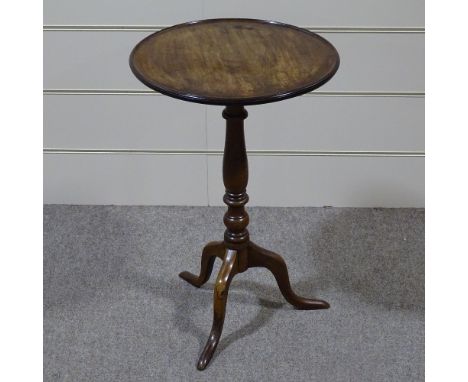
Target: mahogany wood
x=237, y=251
x=235, y=62
x=221, y=289
x=260, y=257
x=210, y=252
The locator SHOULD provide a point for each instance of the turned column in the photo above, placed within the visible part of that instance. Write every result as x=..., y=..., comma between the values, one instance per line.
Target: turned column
x=235, y=178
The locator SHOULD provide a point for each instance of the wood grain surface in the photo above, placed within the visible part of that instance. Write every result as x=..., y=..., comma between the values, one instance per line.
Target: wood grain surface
x=234, y=61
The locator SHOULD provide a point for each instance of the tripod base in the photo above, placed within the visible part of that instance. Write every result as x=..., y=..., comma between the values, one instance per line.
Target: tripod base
x=237, y=261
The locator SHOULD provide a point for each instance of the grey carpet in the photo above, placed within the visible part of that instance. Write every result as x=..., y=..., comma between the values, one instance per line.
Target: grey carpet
x=115, y=309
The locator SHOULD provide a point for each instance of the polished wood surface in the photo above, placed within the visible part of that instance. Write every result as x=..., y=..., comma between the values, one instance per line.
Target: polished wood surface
x=234, y=61
x=236, y=251
x=210, y=252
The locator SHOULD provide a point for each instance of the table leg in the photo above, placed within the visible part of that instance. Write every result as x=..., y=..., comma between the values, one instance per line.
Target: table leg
x=260, y=257
x=210, y=252
x=221, y=289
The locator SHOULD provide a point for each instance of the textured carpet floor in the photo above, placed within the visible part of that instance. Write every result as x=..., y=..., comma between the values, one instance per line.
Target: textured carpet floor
x=115, y=309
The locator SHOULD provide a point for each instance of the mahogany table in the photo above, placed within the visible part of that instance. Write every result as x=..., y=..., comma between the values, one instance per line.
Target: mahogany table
x=235, y=62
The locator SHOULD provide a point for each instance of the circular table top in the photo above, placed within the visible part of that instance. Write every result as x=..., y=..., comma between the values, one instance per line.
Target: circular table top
x=234, y=61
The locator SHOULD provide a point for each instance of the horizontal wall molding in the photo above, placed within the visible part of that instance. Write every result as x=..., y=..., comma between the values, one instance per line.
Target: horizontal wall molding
x=153, y=93
x=250, y=152
x=154, y=28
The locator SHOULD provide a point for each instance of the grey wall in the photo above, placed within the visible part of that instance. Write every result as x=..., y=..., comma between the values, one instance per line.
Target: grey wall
x=357, y=141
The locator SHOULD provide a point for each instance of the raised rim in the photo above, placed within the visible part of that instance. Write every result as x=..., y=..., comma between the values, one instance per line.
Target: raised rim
x=235, y=101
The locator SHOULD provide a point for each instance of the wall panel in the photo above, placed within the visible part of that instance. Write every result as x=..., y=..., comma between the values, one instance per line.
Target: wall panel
x=125, y=179
x=327, y=181
x=121, y=12
x=122, y=122
x=371, y=13
x=329, y=123
x=356, y=13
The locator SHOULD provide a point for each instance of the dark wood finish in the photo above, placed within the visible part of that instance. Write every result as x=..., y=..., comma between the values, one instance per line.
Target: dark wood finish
x=210, y=252
x=237, y=251
x=221, y=289
x=234, y=61
x=235, y=178
x=260, y=257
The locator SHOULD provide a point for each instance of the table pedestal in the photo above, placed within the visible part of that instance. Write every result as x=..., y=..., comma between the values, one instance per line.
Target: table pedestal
x=236, y=251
